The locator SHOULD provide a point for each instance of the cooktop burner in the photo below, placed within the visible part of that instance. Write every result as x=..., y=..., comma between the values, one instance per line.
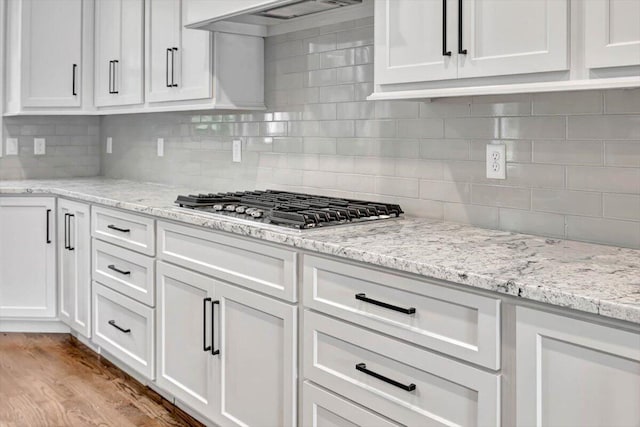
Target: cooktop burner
x=295, y=210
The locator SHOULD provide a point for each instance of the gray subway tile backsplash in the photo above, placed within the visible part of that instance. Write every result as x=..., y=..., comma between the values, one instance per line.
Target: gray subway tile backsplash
x=573, y=166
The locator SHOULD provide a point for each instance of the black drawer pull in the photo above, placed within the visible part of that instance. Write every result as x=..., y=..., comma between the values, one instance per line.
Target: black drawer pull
x=117, y=270
x=213, y=324
x=362, y=367
x=48, y=221
x=113, y=323
x=461, y=51
x=122, y=230
x=71, y=248
x=363, y=297
x=205, y=347
x=445, y=52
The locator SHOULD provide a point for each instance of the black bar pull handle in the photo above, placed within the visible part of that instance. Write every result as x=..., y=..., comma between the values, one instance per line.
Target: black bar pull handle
x=461, y=51
x=445, y=52
x=362, y=367
x=69, y=216
x=117, y=270
x=48, y=230
x=173, y=76
x=66, y=228
x=110, y=76
x=205, y=347
x=363, y=297
x=113, y=323
x=73, y=80
x=122, y=230
x=166, y=77
x=115, y=75
x=213, y=324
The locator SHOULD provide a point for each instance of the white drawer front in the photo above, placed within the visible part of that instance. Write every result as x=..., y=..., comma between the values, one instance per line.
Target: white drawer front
x=130, y=231
x=322, y=409
x=461, y=324
x=124, y=271
x=361, y=365
x=124, y=328
x=261, y=267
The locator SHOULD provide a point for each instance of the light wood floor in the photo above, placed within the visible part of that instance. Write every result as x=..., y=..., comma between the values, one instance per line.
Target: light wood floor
x=52, y=380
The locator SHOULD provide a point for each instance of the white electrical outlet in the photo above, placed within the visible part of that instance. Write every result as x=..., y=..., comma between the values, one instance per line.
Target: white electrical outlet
x=1, y=147
x=237, y=150
x=109, y=148
x=39, y=146
x=496, y=161
x=12, y=146
x=160, y=147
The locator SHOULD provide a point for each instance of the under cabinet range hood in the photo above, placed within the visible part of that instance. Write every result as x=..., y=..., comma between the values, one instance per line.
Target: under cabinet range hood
x=205, y=14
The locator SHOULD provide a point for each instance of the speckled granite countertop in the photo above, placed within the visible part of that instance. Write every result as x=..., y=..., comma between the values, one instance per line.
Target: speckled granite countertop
x=597, y=279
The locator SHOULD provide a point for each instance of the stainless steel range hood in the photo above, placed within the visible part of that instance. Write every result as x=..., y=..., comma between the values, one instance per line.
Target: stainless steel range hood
x=208, y=14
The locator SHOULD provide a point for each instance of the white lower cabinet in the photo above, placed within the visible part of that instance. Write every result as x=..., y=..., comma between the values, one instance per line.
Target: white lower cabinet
x=575, y=373
x=226, y=352
x=74, y=265
x=321, y=408
x=407, y=384
x=28, y=257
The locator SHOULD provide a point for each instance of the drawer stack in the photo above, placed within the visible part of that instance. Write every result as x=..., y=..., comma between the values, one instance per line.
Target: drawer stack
x=123, y=297
x=401, y=346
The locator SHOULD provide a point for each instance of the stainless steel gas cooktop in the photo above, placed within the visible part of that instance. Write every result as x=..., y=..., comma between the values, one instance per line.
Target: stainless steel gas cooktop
x=286, y=209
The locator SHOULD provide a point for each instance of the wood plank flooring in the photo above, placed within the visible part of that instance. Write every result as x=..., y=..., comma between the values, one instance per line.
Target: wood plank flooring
x=52, y=380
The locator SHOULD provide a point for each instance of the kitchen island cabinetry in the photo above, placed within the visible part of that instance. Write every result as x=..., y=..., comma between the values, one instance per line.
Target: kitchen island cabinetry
x=27, y=259
x=74, y=265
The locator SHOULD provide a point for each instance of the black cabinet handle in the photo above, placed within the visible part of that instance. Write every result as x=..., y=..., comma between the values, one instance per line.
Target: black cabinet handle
x=73, y=79
x=66, y=228
x=205, y=347
x=69, y=216
x=122, y=230
x=461, y=51
x=362, y=367
x=166, y=77
x=363, y=297
x=117, y=270
x=173, y=81
x=110, y=76
x=445, y=52
x=48, y=221
x=113, y=323
x=115, y=74
x=213, y=324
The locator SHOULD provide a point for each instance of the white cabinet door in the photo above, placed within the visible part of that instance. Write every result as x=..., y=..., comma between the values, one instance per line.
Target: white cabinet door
x=513, y=37
x=27, y=257
x=119, y=52
x=256, y=338
x=185, y=366
x=612, y=33
x=51, y=53
x=74, y=265
x=410, y=43
x=178, y=63
x=575, y=373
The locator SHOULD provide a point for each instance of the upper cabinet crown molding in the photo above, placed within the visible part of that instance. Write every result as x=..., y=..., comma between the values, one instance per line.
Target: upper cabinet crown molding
x=446, y=48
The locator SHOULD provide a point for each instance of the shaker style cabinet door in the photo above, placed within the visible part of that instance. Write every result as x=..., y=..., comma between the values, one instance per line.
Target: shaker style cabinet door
x=27, y=257
x=119, y=61
x=415, y=40
x=574, y=373
x=51, y=52
x=498, y=37
x=74, y=266
x=612, y=33
x=178, y=64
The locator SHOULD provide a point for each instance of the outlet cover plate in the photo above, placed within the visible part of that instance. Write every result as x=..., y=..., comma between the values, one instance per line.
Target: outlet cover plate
x=160, y=147
x=496, y=161
x=12, y=146
x=237, y=150
x=109, y=148
x=39, y=146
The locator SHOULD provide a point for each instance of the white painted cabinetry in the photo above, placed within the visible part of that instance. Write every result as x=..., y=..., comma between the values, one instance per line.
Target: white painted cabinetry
x=226, y=352
x=74, y=265
x=575, y=373
x=119, y=52
x=612, y=33
x=28, y=256
x=44, y=55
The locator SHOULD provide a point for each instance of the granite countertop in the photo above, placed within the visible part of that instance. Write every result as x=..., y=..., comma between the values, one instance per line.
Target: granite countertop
x=597, y=279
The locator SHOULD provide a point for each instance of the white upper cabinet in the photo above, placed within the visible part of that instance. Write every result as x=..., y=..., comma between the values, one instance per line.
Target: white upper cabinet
x=119, y=52
x=44, y=54
x=498, y=37
x=414, y=41
x=178, y=59
x=612, y=33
